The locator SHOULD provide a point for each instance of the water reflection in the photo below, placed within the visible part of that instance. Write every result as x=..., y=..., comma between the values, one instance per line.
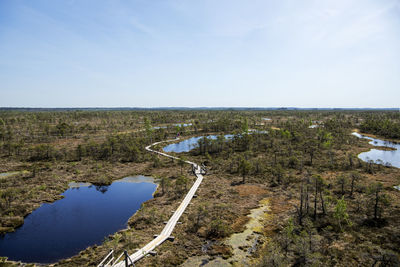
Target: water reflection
x=84, y=217
x=189, y=144
x=383, y=157
x=101, y=188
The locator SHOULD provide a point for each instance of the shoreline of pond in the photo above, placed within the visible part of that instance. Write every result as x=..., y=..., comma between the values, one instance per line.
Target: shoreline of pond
x=378, y=147
x=385, y=156
x=376, y=136
x=76, y=185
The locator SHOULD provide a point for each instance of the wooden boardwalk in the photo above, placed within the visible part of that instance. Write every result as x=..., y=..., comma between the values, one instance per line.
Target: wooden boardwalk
x=169, y=227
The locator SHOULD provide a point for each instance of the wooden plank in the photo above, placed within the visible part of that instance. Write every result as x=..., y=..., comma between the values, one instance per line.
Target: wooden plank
x=170, y=225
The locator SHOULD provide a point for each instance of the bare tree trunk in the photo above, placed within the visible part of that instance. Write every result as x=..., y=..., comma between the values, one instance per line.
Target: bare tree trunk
x=342, y=188
x=315, y=199
x=376, y=205
x=307, y=196
x=322, y=203
x=352, y=186
x=350, y=161
x=301, y=204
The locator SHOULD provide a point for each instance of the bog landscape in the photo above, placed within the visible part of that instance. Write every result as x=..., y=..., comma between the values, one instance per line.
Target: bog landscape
x=199, y=133
x=280, y=187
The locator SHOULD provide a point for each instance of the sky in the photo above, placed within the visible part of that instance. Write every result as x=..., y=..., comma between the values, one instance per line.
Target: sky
x=200, y=53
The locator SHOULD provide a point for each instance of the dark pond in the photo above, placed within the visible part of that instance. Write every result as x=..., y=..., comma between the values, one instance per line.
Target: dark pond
x=390, y=157
x=189, y=144
x=84, y=217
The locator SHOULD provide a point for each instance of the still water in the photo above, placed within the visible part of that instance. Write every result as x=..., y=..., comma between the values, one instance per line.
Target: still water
x=189, y=144
x=383, y=157
x=84, y=217
x=176, y=124
x=6, y=174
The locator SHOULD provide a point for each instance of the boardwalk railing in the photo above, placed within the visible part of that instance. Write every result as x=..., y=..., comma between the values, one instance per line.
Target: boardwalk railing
x=170, y=225
x=109, y=257
x=111, y=260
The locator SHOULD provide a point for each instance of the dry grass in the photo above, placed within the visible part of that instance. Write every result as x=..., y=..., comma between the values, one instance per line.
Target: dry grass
x=231, y=203
x=240, y=223
x=250, y=190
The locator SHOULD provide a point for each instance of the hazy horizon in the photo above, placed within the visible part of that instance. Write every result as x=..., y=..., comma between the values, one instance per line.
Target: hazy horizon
x=309, y=54
x=204, y=107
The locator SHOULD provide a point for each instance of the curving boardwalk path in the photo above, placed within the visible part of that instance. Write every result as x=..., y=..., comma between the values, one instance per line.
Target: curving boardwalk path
x=169, y=227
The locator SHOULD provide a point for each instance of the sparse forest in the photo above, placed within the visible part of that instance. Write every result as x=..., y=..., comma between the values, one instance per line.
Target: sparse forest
x=326, y=206
x=385, y=125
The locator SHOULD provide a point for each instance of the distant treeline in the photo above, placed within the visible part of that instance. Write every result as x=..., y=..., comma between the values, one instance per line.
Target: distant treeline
x=380, y=126
x=29, y=109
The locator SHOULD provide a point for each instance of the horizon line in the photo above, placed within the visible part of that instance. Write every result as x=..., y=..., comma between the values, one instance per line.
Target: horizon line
x=202, y=107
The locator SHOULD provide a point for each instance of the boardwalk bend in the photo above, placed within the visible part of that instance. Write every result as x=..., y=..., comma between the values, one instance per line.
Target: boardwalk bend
x=165, y=234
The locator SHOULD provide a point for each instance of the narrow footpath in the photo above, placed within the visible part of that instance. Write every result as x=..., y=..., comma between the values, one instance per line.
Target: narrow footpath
x=169, y=227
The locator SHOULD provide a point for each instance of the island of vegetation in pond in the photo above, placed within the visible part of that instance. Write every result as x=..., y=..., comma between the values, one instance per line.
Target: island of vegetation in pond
x=85, y=216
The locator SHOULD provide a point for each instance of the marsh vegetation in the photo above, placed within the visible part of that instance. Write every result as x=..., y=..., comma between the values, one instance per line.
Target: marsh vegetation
x=327, y=206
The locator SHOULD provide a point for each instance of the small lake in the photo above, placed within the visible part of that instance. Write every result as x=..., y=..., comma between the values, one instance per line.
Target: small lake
x=257, y=131
x=176, y=124
x=84, y=217
x=189, y=144
x=183, y=124
x=381, y=156
x=6, y=174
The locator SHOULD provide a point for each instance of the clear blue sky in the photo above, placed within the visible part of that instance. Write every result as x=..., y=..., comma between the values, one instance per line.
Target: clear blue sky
x=149, y=53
